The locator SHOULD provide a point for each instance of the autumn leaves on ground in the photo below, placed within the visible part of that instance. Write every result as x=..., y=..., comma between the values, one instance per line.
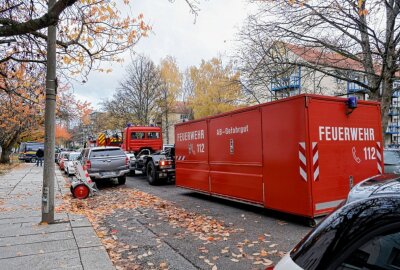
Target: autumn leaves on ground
x=123, y=204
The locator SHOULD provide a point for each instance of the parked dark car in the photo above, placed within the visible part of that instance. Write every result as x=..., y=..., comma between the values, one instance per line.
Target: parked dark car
x=139, y=163
x=385, y=184
x=364, y=233
x=391, y=158
x=104, y=163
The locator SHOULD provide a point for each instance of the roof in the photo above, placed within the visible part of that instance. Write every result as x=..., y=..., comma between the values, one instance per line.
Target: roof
x=104, y=147
x=180, y=107
x=304, y=95
x=324, y=57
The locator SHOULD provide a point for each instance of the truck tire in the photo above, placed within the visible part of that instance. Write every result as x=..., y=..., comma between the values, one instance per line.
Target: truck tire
x=152, y=175
x=33, y=160
x=122, y=180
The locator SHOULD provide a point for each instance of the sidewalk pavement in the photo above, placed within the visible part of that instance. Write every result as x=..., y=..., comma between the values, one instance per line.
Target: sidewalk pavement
x=70, y=243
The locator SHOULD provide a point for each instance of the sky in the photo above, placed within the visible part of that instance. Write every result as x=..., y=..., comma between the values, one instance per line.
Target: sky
x=175, y=33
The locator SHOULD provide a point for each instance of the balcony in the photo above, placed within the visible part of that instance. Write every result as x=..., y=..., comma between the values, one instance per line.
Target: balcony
x=289, y=83
x=394, y=145
x=396, y=94
x=393, y=111
x=392, y=129
x=354, y=88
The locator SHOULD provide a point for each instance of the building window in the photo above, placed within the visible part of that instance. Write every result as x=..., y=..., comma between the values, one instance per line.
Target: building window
x=184, y=117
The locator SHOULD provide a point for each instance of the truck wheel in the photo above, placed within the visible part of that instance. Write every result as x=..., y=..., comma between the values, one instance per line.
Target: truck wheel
x=312, y=222
x=152, y=176
x=33, y=160
x=122, y=180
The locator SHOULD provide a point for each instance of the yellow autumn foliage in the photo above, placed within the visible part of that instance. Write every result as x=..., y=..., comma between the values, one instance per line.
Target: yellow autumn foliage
x=216, y=88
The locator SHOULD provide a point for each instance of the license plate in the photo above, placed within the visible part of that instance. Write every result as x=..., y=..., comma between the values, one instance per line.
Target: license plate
x=108, y=174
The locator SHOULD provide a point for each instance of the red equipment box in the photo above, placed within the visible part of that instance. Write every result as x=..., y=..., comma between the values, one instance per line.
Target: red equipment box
x=299, y=155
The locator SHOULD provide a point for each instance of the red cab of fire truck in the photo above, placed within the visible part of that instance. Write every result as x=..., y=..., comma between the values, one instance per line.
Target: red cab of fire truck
x=136, y=138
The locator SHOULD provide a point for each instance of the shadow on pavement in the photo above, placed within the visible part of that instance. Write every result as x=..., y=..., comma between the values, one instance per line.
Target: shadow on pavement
x=304, y=221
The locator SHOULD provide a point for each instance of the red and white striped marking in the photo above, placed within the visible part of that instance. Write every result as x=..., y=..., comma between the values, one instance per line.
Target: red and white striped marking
x=379, y=157
x=315, y=161
x=303, y=160
x=88, y=179
x=180, y=157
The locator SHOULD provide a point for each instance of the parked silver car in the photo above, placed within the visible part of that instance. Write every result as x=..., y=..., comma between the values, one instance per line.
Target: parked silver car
x=69, y=166
x=106, y=163
x=132, y=160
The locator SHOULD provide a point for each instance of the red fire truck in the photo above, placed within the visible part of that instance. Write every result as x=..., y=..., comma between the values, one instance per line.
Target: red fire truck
x=136, y=138
x=299, y=155
x=132, y=139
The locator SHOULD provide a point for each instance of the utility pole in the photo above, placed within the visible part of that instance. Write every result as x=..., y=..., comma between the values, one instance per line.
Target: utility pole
x=49, y=126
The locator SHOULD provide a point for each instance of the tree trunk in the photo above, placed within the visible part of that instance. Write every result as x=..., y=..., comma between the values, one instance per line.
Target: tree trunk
x=6, y=148
x=167, y=123
x=386, y=98
x=5, y=154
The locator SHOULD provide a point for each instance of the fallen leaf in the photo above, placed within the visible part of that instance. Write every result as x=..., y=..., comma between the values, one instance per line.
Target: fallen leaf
x=267, y=262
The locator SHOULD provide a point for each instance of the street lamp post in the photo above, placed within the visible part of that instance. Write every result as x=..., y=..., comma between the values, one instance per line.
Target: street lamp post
x=49, y=142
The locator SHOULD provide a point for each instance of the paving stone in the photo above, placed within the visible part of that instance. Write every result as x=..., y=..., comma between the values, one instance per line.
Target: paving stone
x=57, y=260
x=30, y=220
x=86, y=237
x=94, y=258
x=20, y=229
x=37, y=248
x=79, y=221
x=20, y=213
x=36, y=238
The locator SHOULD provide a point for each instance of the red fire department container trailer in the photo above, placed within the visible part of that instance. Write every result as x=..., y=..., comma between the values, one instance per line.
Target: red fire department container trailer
x=298, y=155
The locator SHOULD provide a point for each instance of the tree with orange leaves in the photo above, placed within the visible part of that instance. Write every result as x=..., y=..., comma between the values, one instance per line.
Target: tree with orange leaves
x=21, y=110
x=62, y=135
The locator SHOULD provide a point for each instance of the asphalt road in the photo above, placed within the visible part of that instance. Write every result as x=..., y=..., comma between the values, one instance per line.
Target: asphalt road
x=258, y=236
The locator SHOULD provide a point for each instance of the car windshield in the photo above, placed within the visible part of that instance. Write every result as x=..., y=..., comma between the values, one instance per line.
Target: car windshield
x=391, y=157
x=107, y=152
x=74, y=156
x=34, y=147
